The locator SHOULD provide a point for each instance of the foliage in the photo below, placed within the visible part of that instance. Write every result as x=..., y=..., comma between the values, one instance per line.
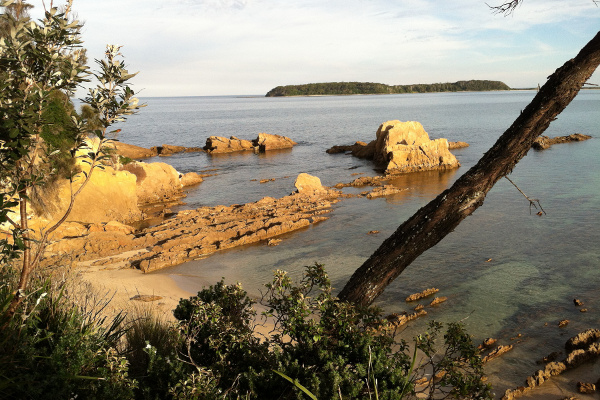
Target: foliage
x=54, y=349
x=346, y=88
x=41, y=64
x=328, y=348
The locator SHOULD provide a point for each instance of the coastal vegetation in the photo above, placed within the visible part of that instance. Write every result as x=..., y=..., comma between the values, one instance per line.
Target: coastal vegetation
x=348, y=88
x=57, y=341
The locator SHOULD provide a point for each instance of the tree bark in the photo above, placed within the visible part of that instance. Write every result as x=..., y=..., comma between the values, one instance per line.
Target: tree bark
x=432, y=223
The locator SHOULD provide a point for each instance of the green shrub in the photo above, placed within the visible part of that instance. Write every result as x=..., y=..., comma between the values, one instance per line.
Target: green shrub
x=332, y=349
x=51, y=349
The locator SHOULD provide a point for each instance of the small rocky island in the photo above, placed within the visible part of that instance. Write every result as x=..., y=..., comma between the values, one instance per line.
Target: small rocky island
x=403, y=147
x=348, y=88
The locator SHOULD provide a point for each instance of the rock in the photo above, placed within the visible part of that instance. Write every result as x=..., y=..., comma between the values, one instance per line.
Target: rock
x=191, y=178
x=131, y=151
x=383, y=191
x=273, y=242
x=362, y=181
x=372, y=232
x=487, y=343
x=66, y=230
x=544, y=142
x=405, y=147
x=155, y=182
x=438, y=300
x=168, y=150
x=218, y=144
x=266, y=142
x=401, y=319
x=115, y=226
x=109, y=195
x=267, y=180
x=358, y=149
x=197, y=233
x=550, y=357
x=583, y=339
x=421, y=295
x=587, y=388
x=497, y=352
x=577, y=302
x=145, y=297
x=306, y=183
x=563, y=323
x=457, y=145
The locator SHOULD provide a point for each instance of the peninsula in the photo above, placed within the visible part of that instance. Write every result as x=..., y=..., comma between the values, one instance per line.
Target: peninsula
x=347, y=88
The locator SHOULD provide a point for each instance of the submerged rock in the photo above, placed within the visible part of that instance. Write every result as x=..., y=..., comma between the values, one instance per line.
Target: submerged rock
x=544, y=142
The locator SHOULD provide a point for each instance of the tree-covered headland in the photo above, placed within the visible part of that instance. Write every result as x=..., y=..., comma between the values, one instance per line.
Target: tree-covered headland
x=347, y=88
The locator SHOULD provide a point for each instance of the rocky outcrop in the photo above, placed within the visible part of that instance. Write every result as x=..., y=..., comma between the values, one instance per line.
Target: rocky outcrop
x=358, y=149
x=194, y=233
x=109, y=195
x=264, y=142
x=168, y=150
x=544, y=142
x=137, y=152
x=155, y=182
x=306, y=183
x=403, y=147
x=191, y=178
x=131, y=151
x=218, y=144
x=457, y=145
x=422, y=295
x=582, y=350
x=381, y=191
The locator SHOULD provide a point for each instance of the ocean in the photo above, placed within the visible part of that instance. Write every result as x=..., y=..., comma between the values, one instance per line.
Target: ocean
x=506, y=271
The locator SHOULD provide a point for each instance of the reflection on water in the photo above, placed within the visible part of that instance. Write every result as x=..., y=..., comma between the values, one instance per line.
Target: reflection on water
x=536, y=266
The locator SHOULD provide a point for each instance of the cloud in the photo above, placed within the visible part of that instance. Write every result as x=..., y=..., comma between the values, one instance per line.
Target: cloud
x=206, y=47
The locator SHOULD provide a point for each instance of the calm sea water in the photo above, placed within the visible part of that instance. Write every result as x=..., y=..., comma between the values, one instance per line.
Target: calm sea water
x=538, y=264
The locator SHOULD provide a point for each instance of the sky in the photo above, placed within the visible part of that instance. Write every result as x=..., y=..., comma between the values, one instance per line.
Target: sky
x=247, y=47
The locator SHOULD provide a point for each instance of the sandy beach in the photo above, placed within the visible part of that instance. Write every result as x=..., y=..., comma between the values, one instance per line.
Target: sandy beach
x=123, y=284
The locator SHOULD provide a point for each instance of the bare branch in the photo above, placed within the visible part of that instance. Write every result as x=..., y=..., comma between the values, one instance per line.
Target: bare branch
x=532, y=202
x=507, y=8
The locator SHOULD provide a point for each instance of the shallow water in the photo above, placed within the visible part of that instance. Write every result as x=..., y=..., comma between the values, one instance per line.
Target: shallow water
x=538, y=264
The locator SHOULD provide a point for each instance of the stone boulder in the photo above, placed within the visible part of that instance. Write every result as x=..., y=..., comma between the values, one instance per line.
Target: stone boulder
x=191, y=178
x=306, y=183
x=218, y=144
x=266, y=142
x=406, y=147
x=109, y=195
x=155, y=182
x=358, y=149
x=168, y=149
x=131, y=151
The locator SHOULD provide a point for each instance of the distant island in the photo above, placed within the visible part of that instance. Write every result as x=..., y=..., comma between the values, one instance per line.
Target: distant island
x=348, y=88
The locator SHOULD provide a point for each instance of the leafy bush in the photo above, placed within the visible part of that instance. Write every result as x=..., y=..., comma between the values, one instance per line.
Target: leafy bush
x=51, y=349
x=329, y=348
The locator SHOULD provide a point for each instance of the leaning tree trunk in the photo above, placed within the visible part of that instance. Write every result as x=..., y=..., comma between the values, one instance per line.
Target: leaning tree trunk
x=442, y=215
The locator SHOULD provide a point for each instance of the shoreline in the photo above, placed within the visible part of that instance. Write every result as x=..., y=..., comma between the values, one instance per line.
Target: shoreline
x=122, y=283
